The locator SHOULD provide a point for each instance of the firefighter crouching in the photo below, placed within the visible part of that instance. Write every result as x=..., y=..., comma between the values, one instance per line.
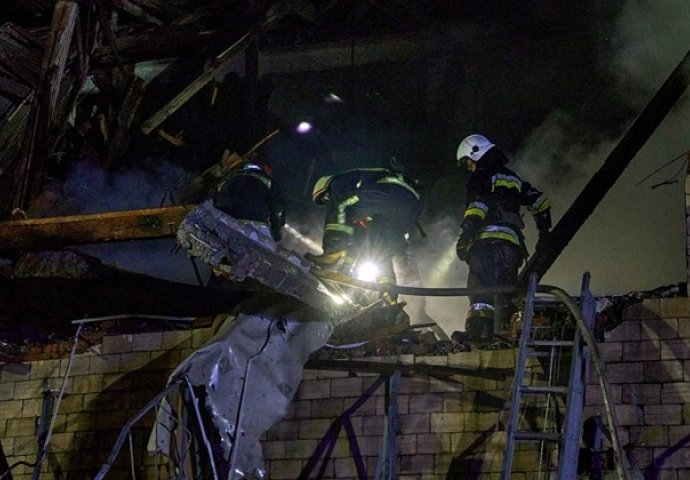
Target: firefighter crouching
x=250, y=193
x=378, y=203
x=491, y=239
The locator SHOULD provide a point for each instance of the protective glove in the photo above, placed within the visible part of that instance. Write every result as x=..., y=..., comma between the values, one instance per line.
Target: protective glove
x=543, y=221
x=276, y=233
x=462, y=249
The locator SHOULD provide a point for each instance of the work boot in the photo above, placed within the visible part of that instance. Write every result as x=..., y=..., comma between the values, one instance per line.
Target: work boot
x=329, y=261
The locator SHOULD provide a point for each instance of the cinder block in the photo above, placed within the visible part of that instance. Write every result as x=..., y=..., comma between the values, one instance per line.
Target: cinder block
x=117, y=344
x=81, y=422
x=435, y=360
x=147, y=342
x=313, y=389
x=134, y=361
x=21, y=446
x=273, y=450
x=675, y=349
x=414, y=384
x=177, y=339
x=498, y=358
x=346, y=387
x=105, y=364
x=313, y=428
x=299, y=409
x=21, y=427
x=479, y=422
x=41, y=369
x=648, y=308
x=459, y=402
x=407, y=444
x=80, y=364
x=6, y=391
x=628, y=331
x=11, y=409
x=373, y=425
x=29, y=389
x=464, y=359
x=327, y=407
x=662, y=415
x=415, y=423
x=367, y=408
x=610, y=351
x=86, y=384
x=71, y=404
x=675, y=307
x=113, y=420
x=430, y=402
x=200, y=336
x=416, y=464
x=62, y=442
x=285, y=469
x=433, y=443
x=660, y=328
x=663, y=371
x=640, y=394
x=641, y=351
x=676, y=392
x=324, y=374
x=300, y=448
x=445, y=386
x=623, y=372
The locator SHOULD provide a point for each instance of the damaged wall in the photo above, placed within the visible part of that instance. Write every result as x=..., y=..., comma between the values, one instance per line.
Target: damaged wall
x=446, y=429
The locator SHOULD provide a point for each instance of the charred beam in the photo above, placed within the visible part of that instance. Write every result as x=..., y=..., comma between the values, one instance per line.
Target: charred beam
x=602, y=181
x=57, y=232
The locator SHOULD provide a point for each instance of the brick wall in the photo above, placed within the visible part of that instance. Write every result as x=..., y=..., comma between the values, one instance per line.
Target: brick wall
x=447, y=429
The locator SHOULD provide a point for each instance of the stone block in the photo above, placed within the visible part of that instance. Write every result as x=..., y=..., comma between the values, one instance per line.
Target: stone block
x=313, y=428
x=300, y=448
x=446, y=422
x=675, y=307
x=479, y=422
x=430, y=402
x=72, y=403
x=134, y=361
x=414, y=384
x=15, y=372
x=416, y=464
x=21, y=427
x=200, y=336
x=648, y=308
x=313, y=389
x=407, y=444
x=610, y=351
x=6, y=391
x=676, y=392
x=117, y=344
x=285, y=430
x=115, y=382
x=662, y=415
x=147, y=342
x=659, y=328
x=346, y=387
x=628, y=331
x=663, y=371
x=86, y=384
x=327, y=407
x=273, y=450
x=373, y=425
x=641, y=351
x=30, y=389
x=437, y=385
x=285, y=469
x=80, y=365
x=675, y=349
x=498, y=358
x=640, y=394
x=300, y=409
x=81, y=422
x=464, y=359
x=623, y=372
x=433, y=443
x=677, y=435
x=403, y=405
x=11, y=409
x=41, y=369
x=327, y=374
x=62, y=442
x=177, y=339
x=435, y=360
x=414, y=423
x=679, y=460
x=105, y=364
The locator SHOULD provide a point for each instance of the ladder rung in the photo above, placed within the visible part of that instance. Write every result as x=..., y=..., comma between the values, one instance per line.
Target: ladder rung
x=537, y=437
x=539, y=390
x=550, y=343
x=533, y=353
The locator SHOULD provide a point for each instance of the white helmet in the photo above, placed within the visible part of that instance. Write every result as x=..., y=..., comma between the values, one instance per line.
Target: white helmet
x=473, y=147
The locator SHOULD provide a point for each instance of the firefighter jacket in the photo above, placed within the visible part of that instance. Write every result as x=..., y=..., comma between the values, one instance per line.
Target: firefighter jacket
x=495, y=195
x=347, y=191
x=249, y=193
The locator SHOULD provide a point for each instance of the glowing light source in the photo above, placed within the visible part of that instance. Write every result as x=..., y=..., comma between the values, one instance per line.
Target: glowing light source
x=367, y=271
x=303, y=127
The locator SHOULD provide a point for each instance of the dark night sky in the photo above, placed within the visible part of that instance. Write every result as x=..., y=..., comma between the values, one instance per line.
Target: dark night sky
x=555, y=87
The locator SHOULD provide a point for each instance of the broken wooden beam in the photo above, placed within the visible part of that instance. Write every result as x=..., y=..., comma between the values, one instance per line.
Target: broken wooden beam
x=129, y=108
x=200, y=82
x=58, y=232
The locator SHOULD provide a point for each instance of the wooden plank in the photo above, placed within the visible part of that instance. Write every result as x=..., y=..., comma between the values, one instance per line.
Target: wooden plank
x=200, y=82
x=55, y=59
x=130, y=105
x=58, y=232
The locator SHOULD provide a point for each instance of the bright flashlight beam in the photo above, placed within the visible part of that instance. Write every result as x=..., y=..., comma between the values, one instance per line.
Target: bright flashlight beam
x=306, y=241
x=368, y=271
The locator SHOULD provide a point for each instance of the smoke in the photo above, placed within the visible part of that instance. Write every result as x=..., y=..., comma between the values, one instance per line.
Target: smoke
x=635, y=239
x=90, y=189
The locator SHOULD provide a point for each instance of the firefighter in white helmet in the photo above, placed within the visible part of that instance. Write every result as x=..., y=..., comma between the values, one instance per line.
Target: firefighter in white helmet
x=491, y=239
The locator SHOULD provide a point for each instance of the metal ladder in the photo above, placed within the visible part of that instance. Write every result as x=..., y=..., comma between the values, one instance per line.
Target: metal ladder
x=567, y=435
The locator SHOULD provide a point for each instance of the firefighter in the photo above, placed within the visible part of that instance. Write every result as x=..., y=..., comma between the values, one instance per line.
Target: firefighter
x=491, y=239
x=379, y=204
x=250, y=193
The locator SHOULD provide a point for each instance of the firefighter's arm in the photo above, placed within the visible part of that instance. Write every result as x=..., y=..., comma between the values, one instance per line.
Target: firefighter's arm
x=472, y=222
x=540, y=209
